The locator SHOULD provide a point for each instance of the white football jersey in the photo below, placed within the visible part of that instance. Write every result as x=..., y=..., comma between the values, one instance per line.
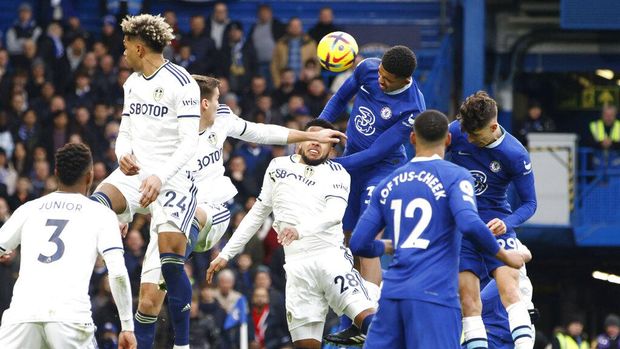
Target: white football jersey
x=298, y=194
x=208, y=164
x=60, y=236
x=154, y=106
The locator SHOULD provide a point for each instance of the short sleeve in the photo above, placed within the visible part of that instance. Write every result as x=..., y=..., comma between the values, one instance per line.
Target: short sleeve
x=11, y=231
x=339, y=185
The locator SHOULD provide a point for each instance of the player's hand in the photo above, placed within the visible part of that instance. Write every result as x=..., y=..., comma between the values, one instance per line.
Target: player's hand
x=497, y=226
x=129, y=164
x=389, y=247
x=124, y=228
x=330, y=136
x=7, y=258
x=288, y=235
x=127, y=340
x=150, y=190
x=511, y=258
x=216, y=265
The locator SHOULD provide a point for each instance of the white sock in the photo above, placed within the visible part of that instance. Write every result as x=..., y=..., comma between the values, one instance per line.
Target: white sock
x=181, y=347
x=520, y=326
x=474, y=333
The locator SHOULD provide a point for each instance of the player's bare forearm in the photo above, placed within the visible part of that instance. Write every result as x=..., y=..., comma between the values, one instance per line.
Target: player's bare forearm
x=323, y=136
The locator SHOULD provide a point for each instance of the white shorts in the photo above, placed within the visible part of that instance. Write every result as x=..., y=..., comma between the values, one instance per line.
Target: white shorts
x=52, y=335
x=317, y=281
x=218, y=218
x=175, y=205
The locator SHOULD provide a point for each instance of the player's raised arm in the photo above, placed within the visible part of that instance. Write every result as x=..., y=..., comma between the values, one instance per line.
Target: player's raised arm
x=463, y=207
x=363, y=241
x=338, y=102
x=389, y=140
x=248, y=227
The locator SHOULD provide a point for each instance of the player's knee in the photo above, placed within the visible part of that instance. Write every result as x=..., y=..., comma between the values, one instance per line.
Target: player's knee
x=115, y=199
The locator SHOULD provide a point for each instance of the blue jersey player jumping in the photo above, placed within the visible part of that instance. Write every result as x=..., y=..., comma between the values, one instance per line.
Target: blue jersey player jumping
x=425, y=203
x=495, y=159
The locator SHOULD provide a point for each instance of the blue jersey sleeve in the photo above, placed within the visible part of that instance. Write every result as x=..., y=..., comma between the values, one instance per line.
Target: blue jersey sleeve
x=524, y=183
x=338, y=103
x=386, y=143
x=363, y=241
x=463, y=207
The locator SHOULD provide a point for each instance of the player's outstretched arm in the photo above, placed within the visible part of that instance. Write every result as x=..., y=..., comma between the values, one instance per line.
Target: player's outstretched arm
x=387, y=142
x=524, y=183
x=363, y=241
x=338, y=103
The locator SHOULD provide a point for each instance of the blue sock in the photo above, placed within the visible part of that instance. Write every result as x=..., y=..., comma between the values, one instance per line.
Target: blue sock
x=366, y=323
x=102, y=199
x=144, y=329
x=193, y=237
x=179, y=295
x=345, y=323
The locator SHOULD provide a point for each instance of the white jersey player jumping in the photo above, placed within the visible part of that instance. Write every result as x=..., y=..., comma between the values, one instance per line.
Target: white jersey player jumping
x=217, y=122
x=60, y=236
x=158, y=136
x=308, y=196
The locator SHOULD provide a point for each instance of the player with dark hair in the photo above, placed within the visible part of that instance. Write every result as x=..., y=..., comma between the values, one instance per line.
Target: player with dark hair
x=425, y=203
x=51, y=307
x=495, y=159
x=386, y=103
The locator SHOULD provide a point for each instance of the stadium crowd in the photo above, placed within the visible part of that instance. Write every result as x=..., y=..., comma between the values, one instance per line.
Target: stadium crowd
x=60, y=83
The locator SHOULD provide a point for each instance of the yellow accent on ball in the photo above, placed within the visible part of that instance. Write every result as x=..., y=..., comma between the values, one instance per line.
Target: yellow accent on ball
x=337, y=51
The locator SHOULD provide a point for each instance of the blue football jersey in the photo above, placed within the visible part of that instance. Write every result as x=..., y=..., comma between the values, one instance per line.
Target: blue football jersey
x=375, y=111
x=494, y=167
x=418, y=203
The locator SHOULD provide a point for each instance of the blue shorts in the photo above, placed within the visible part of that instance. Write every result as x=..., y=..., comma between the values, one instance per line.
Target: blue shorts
x=362, y=185
x=413, y=324
x=480, y=263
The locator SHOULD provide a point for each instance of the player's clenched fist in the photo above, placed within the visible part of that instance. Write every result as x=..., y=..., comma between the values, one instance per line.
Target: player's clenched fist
x=150, y=190
x=288, y=235
x=511, y=258
x=497, y=226
x=129, y=164
x=127, y=340
x=216, y=265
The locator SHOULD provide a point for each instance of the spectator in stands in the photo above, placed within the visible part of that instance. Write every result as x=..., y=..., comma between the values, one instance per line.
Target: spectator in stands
x=572, y=337
x=8, y=175
x=74, y=29
x=171, y=18
x=39, y=76
x=201, y=44
x=20, y=160
x=264, y=34
x=286, y=89
x=605, y=135
x=610, y=339
x=237, y=58
x=270, y=328
x=217, y=23
x=111, y=37
x=324, y=26
x=55, y=137
x=204, y=332
x=24, y=61
x=258, y=87
x=535, y=121
x=39, y=177
x=5, y=68
x=264, y=105
x=244, y=275
x=28, y=131
x=293, y=51
x=6, y=138
x=225, y=294
x=105, y=76
x=121, y=8
x=83, y=93
x=243, y=180
x=23, y=193
x=316, y=96
x=25, y=28
x=51, y=47
x=256, y=157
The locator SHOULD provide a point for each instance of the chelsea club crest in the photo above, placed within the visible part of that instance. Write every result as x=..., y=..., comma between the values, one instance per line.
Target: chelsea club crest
x=158, y=94
x=386, y=113
x=495, y=166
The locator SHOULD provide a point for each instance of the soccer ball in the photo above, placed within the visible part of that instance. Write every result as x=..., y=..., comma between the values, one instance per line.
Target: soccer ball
x=337, y=51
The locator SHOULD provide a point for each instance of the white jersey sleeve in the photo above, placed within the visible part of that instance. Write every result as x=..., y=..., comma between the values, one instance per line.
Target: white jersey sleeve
x=253, y=220
x=108, y=237
x=11, y=231
x=252, y=132
x=123, y=140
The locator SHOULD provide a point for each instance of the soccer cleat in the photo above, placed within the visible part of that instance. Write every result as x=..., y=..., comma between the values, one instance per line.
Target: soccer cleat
x=351, y=337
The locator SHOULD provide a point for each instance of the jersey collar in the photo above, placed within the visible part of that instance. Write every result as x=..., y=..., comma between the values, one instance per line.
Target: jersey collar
x=499, y=140
x=395, y=92
x=156, y=71
x=426, y=158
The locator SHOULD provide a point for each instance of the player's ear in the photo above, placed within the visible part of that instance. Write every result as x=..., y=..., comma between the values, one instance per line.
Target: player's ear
x=448, y=139
x=412, y=137
x=204, y=103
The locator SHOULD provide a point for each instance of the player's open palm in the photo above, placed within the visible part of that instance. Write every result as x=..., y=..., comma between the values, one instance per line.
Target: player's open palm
x=330, y=136
x=129, y=164
x=216, y=265
x=150, y=190
x=127, y=340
